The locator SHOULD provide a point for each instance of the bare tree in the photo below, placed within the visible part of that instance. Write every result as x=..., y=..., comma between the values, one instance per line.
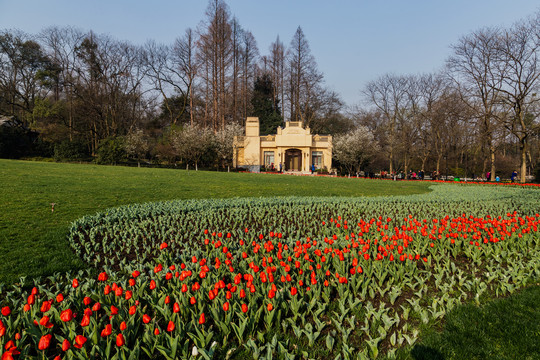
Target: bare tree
x=388, y=94
x=304, y=79
x=216, y=55
x=473, y=69
x=517, y=64
x=61, y=43
x=167, y=74
x=432, y=89
x=277, y=72
x=184, y=58
x=249, y=54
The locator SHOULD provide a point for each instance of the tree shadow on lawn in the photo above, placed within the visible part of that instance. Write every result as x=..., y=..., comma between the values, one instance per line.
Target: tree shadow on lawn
x=422, y=352
x=504, y=329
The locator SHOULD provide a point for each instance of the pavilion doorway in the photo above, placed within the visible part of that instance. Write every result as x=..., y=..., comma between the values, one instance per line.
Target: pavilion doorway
x=293, y=160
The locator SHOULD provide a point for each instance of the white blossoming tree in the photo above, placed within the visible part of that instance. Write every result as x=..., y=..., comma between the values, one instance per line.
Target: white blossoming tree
x=355, y=149
x=191, y=143
x=224, y=143
x=137, y=145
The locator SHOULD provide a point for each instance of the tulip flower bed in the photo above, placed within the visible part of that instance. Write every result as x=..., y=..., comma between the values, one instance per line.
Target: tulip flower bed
x=284, y=278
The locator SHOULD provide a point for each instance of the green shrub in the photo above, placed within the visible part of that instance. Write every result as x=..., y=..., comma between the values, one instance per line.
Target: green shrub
x=71, y=150
x=111, y=150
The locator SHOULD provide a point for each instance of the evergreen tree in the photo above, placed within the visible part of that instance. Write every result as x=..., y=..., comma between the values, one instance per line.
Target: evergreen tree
x=264, y=107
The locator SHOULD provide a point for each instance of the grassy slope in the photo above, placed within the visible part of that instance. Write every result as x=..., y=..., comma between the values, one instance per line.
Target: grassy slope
x=32, y=237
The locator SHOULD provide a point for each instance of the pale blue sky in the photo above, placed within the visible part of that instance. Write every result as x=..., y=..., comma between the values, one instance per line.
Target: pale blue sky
x=353, y=41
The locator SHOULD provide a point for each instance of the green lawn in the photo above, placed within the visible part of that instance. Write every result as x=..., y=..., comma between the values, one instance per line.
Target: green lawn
x=506, y=329
x=32, y=238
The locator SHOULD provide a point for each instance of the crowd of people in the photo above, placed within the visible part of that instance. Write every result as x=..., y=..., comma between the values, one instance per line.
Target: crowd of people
x=401, y=175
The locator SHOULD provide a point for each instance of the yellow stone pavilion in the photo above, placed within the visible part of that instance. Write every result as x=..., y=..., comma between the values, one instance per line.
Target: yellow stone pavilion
x=294, y=147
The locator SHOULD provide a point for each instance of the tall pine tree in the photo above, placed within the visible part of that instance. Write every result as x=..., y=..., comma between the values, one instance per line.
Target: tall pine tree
x=264, y=107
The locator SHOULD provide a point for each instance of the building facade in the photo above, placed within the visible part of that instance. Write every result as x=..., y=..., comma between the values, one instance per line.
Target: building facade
x=294, y=147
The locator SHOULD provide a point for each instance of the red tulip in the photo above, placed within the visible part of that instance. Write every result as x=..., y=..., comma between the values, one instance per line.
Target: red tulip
x=66, y=315
x=120, y=341
x=87, y=301
x=44, y=342
x=226, y=306
x=103, y=276
x=114, y=310
x=107, y=331
x=8, y=355
x=146, y=318
x=46, y=306
x=270, y=307
x=170, y=327
x=202, y=319
x=176, y=307
x=85, y=321
x=163, y=246
x=65, y=345
x=45, y=321
x=6, y=311
x=59, y=298
x=123, y=326
x=75, y=283
x=244, y=308
x=79, y=341
x=96, y=307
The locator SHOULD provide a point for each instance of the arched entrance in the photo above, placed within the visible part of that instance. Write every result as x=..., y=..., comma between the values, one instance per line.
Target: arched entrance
x=293, y=160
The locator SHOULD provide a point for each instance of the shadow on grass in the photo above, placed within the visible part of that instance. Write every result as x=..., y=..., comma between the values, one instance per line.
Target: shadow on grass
x=421, y=352
x=504, y=329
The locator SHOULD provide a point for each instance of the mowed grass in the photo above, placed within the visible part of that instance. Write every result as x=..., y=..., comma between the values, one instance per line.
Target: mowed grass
x=32, y=237
x=506, y=329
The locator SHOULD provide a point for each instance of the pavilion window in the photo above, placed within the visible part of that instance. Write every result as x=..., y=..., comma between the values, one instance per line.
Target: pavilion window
x=316, y=159
x=269, y=158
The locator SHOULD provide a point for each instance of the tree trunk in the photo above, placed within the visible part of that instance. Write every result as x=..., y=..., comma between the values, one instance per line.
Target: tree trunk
x=523, y=153
x=492, y=159
x=391, y=160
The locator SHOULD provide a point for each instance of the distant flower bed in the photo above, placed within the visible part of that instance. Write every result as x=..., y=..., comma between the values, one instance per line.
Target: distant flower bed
x=287, y=277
